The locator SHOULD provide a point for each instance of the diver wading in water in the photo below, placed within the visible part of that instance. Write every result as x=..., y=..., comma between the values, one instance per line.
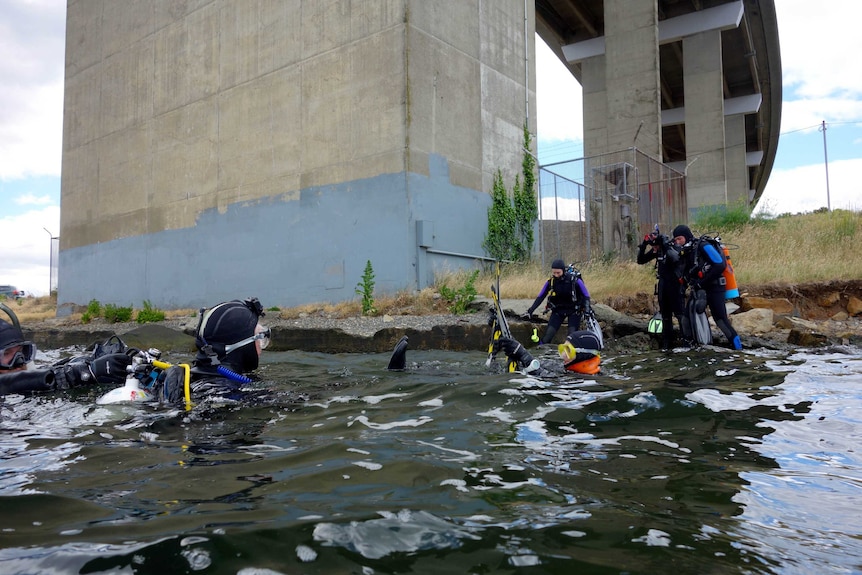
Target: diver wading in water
x=229, y=340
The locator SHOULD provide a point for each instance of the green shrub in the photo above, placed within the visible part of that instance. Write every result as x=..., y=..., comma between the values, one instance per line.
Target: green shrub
x=117, y=314
x=150, y=314
x=94, y=309
x=365, y=288
x=459, y=299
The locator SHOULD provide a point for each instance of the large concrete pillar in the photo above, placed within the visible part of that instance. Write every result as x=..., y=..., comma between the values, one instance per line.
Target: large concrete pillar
x=735, y=159
x=595, y=98
x=632, y=76
x=704, y=120
x=218, y=149
x=621, y=111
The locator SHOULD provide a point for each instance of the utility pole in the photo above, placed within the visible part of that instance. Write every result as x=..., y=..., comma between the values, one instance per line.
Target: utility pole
x=50, y=262
x=826, y=162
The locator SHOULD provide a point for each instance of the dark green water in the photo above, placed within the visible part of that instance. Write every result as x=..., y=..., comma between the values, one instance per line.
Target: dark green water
x=696, y=462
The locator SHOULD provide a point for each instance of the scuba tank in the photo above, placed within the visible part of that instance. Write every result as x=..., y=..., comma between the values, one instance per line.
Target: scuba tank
x=137, y=373
x=730, y=286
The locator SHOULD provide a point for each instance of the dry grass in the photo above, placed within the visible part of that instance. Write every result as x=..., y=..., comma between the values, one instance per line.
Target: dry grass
x=787, y=250
x=804, y=248
x=31, y=308
x=425, y=302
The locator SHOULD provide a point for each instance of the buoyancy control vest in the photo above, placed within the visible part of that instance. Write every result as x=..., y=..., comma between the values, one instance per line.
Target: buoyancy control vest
x=568, y=290
x=709, y=264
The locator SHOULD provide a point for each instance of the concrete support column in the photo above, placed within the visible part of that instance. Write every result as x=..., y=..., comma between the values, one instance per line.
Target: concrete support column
x=595, y=110
x=704, y=120
x=735, y=159
x=632, y=75
x=595, y=95
x=631, y=112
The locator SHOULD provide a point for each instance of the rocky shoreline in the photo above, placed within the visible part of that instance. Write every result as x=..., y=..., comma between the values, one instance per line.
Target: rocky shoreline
x=802, y=316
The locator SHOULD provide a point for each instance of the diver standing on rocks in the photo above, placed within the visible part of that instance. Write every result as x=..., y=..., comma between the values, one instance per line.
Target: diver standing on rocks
x=703, y=265
x=669, y=291
x=567, y=299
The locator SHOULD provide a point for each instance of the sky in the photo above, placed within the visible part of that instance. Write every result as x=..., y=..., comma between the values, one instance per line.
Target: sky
x=819, y=52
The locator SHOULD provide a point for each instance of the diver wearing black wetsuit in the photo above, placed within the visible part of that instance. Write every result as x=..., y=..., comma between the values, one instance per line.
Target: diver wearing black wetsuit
x=229, y=339
x=669, y=290
x=107, y=364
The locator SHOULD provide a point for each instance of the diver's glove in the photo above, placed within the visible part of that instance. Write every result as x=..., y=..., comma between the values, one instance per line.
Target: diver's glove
x=111, y=368
x=529, y=316
x=72, y=375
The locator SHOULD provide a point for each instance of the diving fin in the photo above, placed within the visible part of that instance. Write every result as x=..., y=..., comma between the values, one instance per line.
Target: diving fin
x=398, y=361
x=699, y=323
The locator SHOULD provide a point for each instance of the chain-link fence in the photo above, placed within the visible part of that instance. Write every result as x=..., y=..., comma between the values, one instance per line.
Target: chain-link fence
x=602, y=205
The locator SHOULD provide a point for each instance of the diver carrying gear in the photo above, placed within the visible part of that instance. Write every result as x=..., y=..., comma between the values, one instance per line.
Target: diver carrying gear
x=704, y=264
x=668, y=290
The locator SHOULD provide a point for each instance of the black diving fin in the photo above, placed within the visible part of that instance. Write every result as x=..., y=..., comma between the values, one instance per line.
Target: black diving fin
x=698, y=321
x=398, y=361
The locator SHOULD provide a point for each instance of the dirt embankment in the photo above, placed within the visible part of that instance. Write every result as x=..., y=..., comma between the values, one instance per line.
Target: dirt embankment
x=815, y=301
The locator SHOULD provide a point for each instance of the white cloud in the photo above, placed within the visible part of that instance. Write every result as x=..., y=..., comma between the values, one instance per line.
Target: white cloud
x=809, y=113
x=32, y=52
x=559, y=98
x=803, y=189
x=31, y=200
x=820, y=48
x=25, y=248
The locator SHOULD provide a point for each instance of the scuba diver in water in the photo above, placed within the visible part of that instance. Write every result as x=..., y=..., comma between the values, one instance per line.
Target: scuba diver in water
x=669, y=291
x=106, y=364
x=513, y=349
x=580, y=353
x=229, y=340
x=703, y=265
x=567, y=299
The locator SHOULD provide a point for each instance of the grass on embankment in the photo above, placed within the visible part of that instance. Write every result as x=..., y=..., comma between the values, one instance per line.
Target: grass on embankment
x=821, y=246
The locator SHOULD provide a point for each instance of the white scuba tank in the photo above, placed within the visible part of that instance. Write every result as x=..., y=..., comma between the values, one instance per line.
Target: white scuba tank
x=131, y=391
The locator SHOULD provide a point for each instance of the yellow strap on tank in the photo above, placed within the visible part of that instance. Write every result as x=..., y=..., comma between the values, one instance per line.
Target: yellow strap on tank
x=186, y=379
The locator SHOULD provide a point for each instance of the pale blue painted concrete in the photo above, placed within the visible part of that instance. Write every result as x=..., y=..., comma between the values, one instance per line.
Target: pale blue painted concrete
x=289, y=252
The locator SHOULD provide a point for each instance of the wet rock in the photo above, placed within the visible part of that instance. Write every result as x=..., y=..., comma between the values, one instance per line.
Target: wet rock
x=806, y=338
x=160, y=337
x=625, y=326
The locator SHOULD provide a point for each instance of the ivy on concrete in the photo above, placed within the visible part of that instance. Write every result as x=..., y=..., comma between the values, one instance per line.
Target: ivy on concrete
x=512, y=217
